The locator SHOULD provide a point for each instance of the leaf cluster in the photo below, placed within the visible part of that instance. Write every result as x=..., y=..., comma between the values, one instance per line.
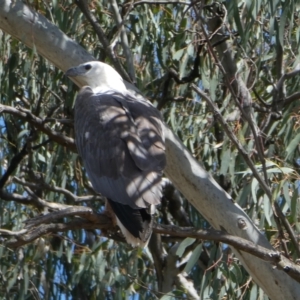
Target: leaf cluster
x=170, y=50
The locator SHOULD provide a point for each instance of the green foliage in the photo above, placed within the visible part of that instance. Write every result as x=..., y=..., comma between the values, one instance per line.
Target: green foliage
x=84, y=265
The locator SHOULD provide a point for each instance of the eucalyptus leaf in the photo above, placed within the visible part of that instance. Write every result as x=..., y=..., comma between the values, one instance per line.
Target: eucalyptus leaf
x=193, y=259
x=267, y=209
x=183, y=245
x=250, y=53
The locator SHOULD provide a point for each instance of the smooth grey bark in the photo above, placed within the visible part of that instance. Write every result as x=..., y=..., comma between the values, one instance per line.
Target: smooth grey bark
x=184, y=171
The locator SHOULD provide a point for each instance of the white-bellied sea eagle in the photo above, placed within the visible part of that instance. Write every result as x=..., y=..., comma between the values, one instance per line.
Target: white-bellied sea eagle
x=120, y=139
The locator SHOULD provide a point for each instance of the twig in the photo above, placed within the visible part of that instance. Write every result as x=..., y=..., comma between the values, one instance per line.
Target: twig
x=92, y=220
x=234, y=139
x=31, y=199
x=37, y=232
x=55, y=95
x=222, y=22
x=257, y=95
x=61, y=121
x=288, y=227
x=172, y=74
x=39, y=124
x=12, y=233
x=278, y=91
x=124, y=39
x=243, y=101
x=238, y=243
x=294, y=97
x=81, y=211
x=83, y=6
x=281, y=237
x=157, y=2
x=41, y=144
x=15, y=161
x=56, y=189
x=286, y=76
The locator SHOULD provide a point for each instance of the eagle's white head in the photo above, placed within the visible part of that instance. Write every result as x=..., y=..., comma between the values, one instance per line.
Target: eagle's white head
x=99, y=76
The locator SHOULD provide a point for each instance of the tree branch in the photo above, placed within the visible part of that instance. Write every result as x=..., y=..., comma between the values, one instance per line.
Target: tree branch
x=158, y=254
x=39, y=124
x=187, y=175
x=234, y=139
x=39, y=226
x=158, y=2
x=41, y=184
x=188, y=286
x=15, y=161
x=294, y=97
x=175, y=202
x=172, y=74
x=31, y=199
x=284, y=77
x=103, y=221
x=83, y=6
x=124, y=39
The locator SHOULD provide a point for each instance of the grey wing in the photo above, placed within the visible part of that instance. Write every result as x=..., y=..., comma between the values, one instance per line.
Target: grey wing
x=149, y=130
x=118, y=158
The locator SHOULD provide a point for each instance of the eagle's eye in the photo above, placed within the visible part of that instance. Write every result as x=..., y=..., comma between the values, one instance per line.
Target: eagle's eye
x=87, y=67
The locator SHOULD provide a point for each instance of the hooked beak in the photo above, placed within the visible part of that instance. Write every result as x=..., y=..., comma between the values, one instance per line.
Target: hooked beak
x=72, y=72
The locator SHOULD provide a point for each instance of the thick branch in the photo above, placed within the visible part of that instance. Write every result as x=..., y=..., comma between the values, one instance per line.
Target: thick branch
x=157, y=251
x=102, y=221
x=220, y=236
x=175, y=208
x=39, y=226
x=185, y=172
x=188, y=286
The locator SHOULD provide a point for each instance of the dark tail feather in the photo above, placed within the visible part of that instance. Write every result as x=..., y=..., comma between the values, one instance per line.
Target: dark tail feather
x=137, y=221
